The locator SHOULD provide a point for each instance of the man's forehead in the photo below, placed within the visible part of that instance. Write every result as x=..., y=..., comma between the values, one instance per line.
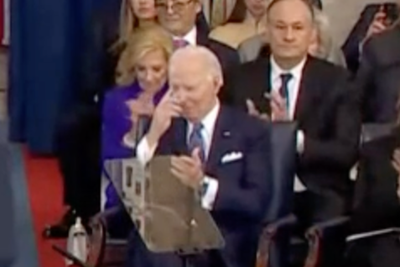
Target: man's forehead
x=293, y=10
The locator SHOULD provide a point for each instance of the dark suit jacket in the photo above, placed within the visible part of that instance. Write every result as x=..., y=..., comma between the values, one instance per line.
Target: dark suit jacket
x=377, y=205
x=228, y=57
x=244, y=184
x=325, y=111
x=378, y=76
x=351, y=47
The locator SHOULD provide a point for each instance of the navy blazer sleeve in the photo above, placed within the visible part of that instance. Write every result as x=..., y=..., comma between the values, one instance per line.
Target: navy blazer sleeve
x=350, y=48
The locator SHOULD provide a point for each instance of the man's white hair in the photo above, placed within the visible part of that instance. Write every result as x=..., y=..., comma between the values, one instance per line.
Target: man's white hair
x=186, y=54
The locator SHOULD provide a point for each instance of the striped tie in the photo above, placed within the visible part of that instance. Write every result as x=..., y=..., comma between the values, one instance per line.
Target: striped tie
x=284, y=90
x=179, y=43
x=196, y=140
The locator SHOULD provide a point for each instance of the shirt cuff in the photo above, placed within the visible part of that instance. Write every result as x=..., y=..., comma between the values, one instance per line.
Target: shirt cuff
x=210, y=193
x=300, y=141
x=144, y=153
x=128, y=140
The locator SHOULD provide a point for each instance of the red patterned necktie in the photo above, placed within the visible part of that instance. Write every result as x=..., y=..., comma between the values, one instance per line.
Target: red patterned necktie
x=179, y=43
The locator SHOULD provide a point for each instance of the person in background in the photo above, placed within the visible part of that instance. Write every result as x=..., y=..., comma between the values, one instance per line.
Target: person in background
x=178, y=17
x=374, y=19
x=246, y=20
x=378, y=75
x=218, y=12
x=322, y=47
x=290, y=85
x=78, y=137
x=377, y=203
x=141, y=83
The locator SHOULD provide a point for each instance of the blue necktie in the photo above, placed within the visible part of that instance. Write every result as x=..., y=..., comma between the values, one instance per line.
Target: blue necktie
x=196, y=140
x=284, y=90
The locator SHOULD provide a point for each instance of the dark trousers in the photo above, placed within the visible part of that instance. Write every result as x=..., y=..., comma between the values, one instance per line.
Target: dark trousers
x=78, y=151
x=229, y=256
x=313, y=207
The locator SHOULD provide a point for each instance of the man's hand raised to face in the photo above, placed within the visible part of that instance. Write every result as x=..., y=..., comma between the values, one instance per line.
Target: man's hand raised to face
x=167, y=109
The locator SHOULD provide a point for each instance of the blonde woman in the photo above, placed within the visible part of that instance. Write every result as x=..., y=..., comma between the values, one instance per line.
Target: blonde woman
x=324, y=45
x=142, y=83
x=134, y=14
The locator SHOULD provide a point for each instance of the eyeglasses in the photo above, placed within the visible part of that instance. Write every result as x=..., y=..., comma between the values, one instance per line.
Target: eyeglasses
x=176, y=6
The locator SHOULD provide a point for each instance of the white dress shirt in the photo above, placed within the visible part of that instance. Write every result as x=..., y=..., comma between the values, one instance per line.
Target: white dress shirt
x=293, y=93
x=190, y=37
x=144, y=153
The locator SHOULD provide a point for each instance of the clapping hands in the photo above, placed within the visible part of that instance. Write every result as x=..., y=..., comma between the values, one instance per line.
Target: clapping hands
x=279, y=110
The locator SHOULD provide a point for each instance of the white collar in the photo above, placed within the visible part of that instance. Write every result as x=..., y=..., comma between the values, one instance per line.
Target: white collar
x=190, y=37
x=208, y=122
x=296, y=71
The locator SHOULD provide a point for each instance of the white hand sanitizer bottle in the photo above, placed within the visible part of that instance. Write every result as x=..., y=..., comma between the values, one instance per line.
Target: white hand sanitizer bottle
x=77, y=242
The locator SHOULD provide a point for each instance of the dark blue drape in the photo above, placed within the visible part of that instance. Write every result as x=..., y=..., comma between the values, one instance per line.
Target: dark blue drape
x=45, y=39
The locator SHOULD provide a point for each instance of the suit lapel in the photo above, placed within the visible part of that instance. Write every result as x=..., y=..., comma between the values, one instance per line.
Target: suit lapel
x=202, y=37
x=261, y=80
x=220, y=139
x=307, y=83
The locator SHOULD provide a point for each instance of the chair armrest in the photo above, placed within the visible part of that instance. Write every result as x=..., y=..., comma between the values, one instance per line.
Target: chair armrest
x=106, y=251
x=371, y=234
x=63, y=252
x=326, y=227
x=316, y=233
x=104, y=216
x=267, y=238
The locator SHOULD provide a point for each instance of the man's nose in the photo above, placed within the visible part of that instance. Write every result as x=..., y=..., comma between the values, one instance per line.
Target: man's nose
x=169, y=7
x=289, y=34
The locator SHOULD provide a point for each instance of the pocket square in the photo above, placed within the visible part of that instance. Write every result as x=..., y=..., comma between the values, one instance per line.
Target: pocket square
x=229, y=157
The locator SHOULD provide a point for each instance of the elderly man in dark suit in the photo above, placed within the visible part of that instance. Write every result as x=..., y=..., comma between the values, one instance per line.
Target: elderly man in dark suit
x=78, y=135
x=374, y=19
x=289, y=84
x=229, y=165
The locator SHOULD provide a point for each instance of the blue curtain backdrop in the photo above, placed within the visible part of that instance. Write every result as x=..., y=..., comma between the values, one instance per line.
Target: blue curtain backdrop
x=45, y=39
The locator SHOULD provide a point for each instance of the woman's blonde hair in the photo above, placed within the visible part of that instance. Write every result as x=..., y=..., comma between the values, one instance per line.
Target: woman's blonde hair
x=143, y=41
x=324, y=36
x=128, y=24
